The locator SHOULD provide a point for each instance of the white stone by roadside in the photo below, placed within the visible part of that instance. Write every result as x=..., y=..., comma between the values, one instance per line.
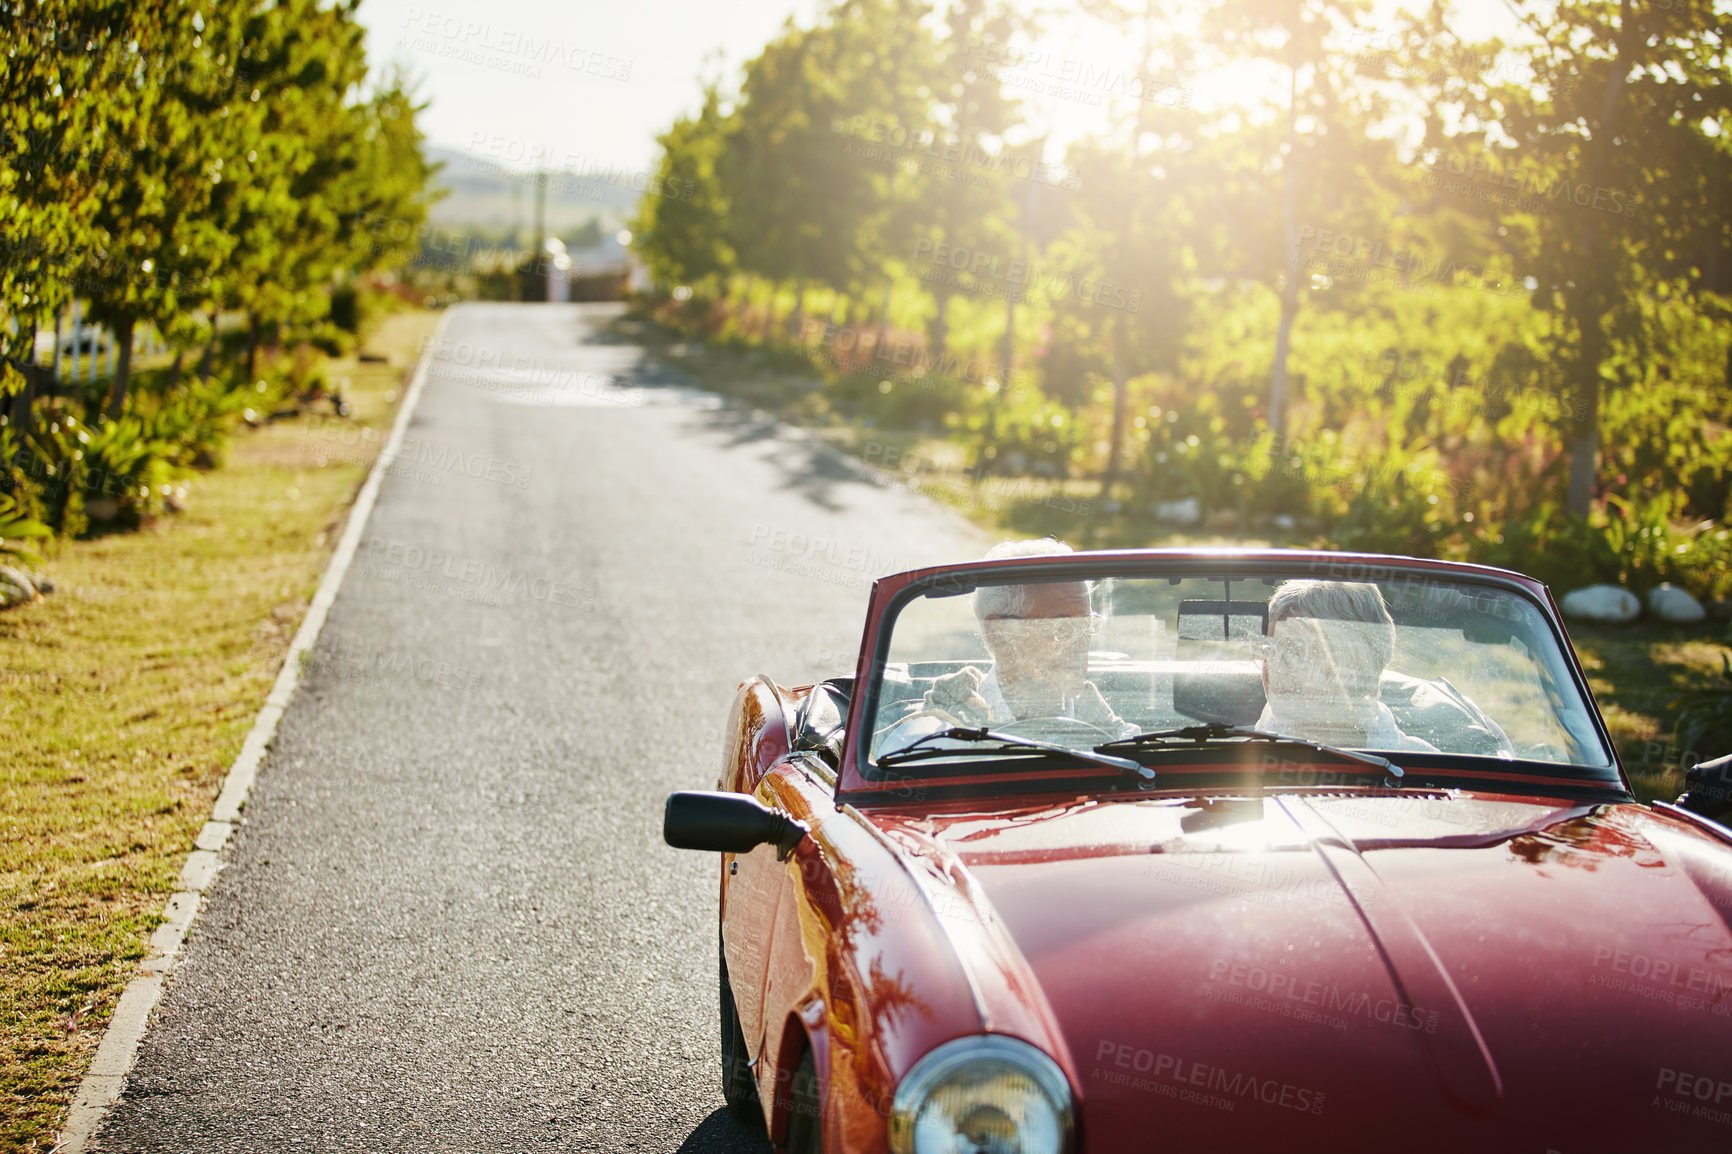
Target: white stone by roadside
x=106, y=1077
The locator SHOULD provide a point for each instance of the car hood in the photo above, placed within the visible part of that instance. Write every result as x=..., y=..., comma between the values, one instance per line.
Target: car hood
x=1413, y=970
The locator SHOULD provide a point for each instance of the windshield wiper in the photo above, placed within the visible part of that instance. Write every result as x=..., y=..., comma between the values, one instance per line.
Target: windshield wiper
x=1217, y=732
x=920, y=750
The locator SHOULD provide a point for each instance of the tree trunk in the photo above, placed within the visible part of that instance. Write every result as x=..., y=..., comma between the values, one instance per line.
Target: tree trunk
x=884, y=317
x=1289, y=291
x=1584, y=458
x=797, y=318
x=174, y=369
x=18, y=412
x=1278, y=387
x=22, y=415
x=78, y=342
x=204, y=364
x=1121, y=396
x=1586, y=302
x=123, y=371
x=939, y=334
x=252, y=346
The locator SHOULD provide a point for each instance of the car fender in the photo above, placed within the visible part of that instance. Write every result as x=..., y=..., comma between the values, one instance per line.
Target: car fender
x=804, y=1029
x=862, y=966
x=756, y=736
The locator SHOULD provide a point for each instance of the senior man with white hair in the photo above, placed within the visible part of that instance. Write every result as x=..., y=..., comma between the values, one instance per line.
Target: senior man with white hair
x=1038, y=636
x=1327, y=646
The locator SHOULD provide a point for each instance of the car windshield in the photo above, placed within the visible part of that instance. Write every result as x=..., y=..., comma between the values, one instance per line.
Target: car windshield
x=1415, y=664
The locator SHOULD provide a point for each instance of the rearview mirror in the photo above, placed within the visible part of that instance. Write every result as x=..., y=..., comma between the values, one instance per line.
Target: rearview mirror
x=728, y=822
x=1220, y=692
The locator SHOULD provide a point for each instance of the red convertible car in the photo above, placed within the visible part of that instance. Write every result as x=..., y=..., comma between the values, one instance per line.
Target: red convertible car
x=1211, y=851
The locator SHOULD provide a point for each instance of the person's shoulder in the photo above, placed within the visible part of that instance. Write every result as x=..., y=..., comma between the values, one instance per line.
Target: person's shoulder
x=1403, y=740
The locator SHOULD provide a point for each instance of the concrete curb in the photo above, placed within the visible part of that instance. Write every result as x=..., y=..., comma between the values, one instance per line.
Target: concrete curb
x=106, y=1077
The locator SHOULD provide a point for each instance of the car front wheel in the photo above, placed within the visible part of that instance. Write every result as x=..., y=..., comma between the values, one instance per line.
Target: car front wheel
x=805, y=1119
x=737, y=1088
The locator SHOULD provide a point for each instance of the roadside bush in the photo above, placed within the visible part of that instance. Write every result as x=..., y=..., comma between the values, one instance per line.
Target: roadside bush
x=1635, y=544
x=126, y=475
x=1188, y=453
x=1392, y=512
x=114, y=474
x=895, y=403
x=195, y=419
x=1704, y=716
x=47, y=471
x=1544, y=543
x=308, y=379
x=330, y=340
x=1646, y=548
x=1025, y=433
x=17, y=530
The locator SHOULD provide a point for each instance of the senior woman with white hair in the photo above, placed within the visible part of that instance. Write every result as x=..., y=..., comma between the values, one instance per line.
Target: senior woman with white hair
x=1327, y=646
x=1038, y=636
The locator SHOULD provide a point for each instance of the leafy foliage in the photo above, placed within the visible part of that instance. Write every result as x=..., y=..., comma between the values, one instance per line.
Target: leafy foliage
x=165, y=161
x=17, y=531
x=1704, y=717
x=1407, y=292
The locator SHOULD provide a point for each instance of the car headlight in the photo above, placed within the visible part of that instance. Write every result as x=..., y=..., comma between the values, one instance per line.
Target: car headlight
x=982, y=1095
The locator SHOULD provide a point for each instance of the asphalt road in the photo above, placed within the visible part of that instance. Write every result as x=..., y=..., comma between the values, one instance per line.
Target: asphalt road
x=448, y=921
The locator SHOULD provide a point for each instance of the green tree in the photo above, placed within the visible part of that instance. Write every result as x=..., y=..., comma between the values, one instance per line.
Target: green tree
x=70, y=99
x=952, y=206
x=681, y=226
x=333, y=182
x=1335, y=162
x=803, y=206
x=1621, y=134
x=153, y=236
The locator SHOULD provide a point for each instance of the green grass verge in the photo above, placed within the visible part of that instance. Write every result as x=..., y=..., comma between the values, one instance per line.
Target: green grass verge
x=124, y=697
x=1634, y=671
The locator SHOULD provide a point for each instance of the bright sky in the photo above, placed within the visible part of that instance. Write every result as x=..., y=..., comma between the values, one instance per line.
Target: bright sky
x=585, y=84
x=620, y=71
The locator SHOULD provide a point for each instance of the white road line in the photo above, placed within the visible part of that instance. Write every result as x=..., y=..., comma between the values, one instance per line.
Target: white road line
x=107, y=1074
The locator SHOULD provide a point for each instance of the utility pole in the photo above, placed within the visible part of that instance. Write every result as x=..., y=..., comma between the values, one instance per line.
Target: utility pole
x=541, y=234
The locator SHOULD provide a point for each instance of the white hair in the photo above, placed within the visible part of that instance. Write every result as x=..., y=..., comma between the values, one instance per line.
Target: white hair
x=1012, y=600
x=1353, y=620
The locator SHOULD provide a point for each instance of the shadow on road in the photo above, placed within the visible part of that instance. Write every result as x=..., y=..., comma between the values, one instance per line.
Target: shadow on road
x=722, y=1133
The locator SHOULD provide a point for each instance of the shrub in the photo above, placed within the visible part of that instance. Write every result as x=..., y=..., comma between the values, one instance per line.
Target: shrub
x=1189, y=454
x=1635, y=544
x=48, y=467
x=195, y=419
x=1704, y=717
x=1392, y=512
x=126, y=475
x=898, y=403
x=1024, y=433
x=1647, y=548
x=17, y=530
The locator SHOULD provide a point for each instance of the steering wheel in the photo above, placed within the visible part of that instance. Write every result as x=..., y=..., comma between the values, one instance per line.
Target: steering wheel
x=1052, y=729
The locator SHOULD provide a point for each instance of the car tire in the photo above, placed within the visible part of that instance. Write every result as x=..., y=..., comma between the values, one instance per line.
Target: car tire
x=738, y=1089
x=805, y=1117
